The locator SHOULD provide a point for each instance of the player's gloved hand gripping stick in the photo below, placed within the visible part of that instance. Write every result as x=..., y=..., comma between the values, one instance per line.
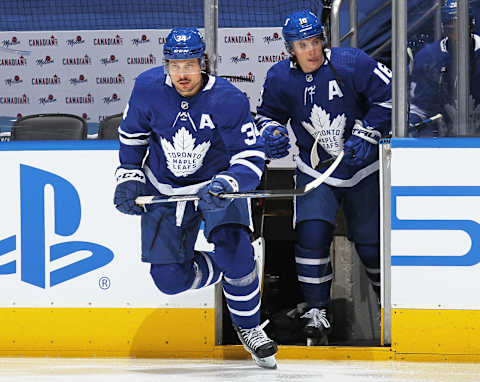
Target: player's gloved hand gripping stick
x=276, y=140
x=142, y=200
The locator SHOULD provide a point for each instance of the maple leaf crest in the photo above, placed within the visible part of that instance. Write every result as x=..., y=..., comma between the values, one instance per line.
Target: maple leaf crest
x=183, y=157
x=331, y=134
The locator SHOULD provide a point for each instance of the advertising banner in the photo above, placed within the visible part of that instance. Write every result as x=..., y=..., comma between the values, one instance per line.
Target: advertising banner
x=63, y=243
x=435, y=198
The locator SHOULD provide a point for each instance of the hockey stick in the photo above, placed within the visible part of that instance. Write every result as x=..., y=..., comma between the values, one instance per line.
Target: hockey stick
x=142, y=200
x=314, y=159
x=420, y=124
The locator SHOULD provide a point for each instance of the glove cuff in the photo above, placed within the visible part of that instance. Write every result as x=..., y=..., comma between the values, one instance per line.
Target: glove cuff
x=269, y=127
x=231, y=181
x=361, y=130
x=126, y=174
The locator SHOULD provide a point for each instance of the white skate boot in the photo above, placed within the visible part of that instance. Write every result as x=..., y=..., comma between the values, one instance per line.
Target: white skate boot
x=317, y=327
x=257, y=343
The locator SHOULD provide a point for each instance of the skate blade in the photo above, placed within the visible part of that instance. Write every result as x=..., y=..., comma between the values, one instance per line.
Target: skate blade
x=267, y=362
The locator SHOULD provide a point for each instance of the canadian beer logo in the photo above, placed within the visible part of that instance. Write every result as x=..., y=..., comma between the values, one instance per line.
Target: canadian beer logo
x=47, y=100
x=44, y=61
x=80, y=80
x=247, y=38
x=145, y=60
x=13, y=81
x=112, y=41
x=110, y=99
x=20, y=61
x=250, y=77
x=142, y=40
x=109, y=60
x=242, y=58
x=53, y=80
x=75, y=41
x=15, y=100
x=85, y=60
x=272, y=58
x=118, y=80
x=43, y=42
x=269, y=39
x=80, y=100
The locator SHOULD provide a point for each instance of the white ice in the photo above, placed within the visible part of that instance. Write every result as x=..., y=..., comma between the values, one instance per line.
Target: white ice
x=175, y=370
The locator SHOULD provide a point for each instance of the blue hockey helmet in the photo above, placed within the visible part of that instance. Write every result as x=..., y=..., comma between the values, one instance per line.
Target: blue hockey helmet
x=183, y=44
x=449, y=13
x=301, y=25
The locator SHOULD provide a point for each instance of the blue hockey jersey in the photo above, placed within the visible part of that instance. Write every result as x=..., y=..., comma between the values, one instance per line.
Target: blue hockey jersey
x=327, y=102
x=190, y=140
x=433, y=89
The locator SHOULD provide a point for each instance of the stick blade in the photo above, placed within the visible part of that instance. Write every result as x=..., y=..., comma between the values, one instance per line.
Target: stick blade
x=318, y=181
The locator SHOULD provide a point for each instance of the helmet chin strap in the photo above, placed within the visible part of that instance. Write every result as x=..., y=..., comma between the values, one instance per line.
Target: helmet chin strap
x=335, y=73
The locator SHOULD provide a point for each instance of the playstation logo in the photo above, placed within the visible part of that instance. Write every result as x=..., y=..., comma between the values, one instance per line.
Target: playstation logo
x=34, y=253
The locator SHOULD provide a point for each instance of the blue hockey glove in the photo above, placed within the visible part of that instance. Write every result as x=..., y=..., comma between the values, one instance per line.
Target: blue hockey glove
x=209, y=200
x=130, y=184
x=362, y=146
x=276, y=140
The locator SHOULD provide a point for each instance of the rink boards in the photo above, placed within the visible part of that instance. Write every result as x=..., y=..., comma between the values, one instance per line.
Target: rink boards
x=435, y=245
x=73, y=284
x=70, y=272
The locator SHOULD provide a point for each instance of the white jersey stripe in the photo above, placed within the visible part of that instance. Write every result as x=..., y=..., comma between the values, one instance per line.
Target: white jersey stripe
x=133, y=142
x=132, y=135
x=248, y=164
x=337, y=182
x=248, y=154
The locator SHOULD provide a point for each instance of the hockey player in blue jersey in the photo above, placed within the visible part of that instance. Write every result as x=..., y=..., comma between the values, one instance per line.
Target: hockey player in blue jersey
x=185, y=131
x=341, y=98
x=433, y=80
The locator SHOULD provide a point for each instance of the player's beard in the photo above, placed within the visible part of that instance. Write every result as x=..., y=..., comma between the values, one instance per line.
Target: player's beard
x=187, y=87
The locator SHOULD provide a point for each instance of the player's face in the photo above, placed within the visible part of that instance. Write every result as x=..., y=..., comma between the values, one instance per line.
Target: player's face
x=309, y=53
x=186, y=76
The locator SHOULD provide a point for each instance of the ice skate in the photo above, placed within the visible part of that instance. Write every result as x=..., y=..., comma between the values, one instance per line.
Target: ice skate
x=317, y=327
x=257, y=343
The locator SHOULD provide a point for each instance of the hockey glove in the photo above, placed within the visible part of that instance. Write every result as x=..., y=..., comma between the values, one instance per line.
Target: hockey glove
x=130, y=184
x=209, y=200
x=362, y=146
x=276, y=140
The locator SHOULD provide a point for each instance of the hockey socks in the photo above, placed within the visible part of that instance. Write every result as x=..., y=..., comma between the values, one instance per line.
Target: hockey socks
x=206, y=271
x=370, y=256
x=243, y=299
x=315, y=275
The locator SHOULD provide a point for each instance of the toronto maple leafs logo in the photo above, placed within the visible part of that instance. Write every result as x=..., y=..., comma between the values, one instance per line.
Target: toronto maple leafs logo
x=183, y=157
x=331, y=133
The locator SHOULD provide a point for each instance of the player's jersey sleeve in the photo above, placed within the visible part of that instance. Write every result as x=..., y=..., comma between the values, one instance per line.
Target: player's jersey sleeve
x=134, y=131
x=424, y=87
x=243, y=143
x=272, y=105
x=372, y=80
